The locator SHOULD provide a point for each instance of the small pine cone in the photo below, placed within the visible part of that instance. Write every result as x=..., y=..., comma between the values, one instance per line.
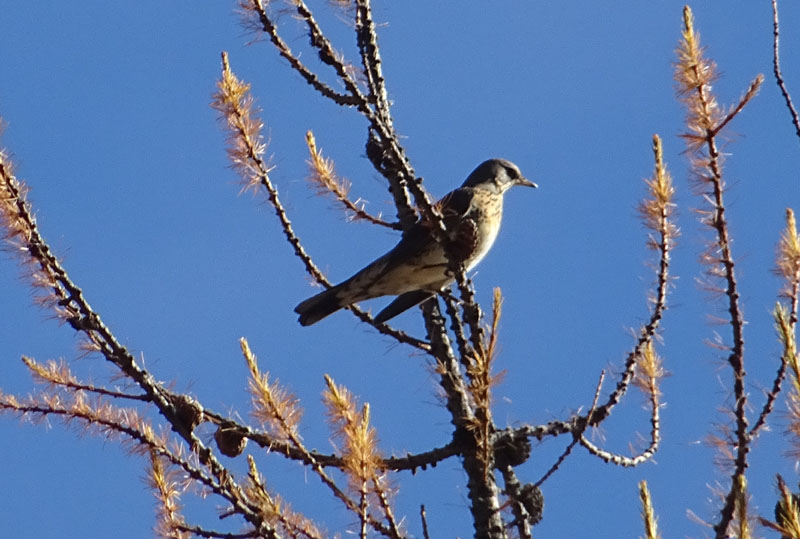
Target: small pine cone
x=189, y=411
x=230, y=440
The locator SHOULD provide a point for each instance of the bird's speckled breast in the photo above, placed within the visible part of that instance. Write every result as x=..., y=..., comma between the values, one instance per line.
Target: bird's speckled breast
x=489, y=227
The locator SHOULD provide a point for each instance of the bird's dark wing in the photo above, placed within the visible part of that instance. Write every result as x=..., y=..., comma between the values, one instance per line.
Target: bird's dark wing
x=454, y=205
x=418, y=238
x=462, y=231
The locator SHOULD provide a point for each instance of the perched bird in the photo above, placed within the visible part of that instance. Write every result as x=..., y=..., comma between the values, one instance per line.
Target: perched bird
x=417, y=267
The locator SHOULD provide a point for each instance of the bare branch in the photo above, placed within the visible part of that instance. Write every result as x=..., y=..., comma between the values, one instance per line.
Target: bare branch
x=257, y=8
x=788, y=266
x=656, y=214
x=752, y=90
x=776, y=64
x=575, y=435
x=327, y=54
x=649, y=373
x=559, y=461
x=694, y=74
x=213, y=534
x=423, y=516
x=367, y=40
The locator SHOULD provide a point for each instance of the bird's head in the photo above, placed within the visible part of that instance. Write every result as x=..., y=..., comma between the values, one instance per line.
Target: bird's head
x=497, y=175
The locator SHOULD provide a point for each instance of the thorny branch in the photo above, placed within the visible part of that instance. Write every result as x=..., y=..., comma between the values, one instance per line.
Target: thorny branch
x=776, y=69
x=656, y=213
x=694, y=74
x=788, y=267
x=648, y=379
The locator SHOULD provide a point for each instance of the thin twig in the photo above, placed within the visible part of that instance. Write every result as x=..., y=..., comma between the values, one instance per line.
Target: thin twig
x=777, y=69
x=465, y=351
x=367, y=40
x=772, y=395
x=294, y=524
x=736, y=319
x=271, y=30
x=622, y=460
x=424, y=518
x=213, y=534
x=652, y=374
x=326, y=52
x=789, y=268
x=751, y=92
x=648, y=331
x=67, y=380
x=695, y=74
x=560, y=460
x=576, y=435
x=363, y=507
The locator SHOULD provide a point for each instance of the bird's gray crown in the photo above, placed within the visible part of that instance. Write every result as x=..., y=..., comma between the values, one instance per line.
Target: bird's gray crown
x=499, y=173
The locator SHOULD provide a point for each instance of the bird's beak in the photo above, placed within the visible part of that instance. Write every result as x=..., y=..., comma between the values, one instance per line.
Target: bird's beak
x=526, y=182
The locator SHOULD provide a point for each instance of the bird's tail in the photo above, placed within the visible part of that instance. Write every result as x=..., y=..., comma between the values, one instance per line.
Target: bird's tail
x=318, y=307
x=402, y=303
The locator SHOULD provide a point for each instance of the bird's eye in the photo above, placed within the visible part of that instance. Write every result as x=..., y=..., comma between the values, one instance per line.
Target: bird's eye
x=513, y=174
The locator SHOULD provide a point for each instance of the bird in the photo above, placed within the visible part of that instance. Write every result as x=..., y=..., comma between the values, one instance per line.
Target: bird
x=418, y=267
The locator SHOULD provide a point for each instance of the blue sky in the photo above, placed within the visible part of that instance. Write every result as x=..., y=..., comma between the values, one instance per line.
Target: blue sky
x=106, y=115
